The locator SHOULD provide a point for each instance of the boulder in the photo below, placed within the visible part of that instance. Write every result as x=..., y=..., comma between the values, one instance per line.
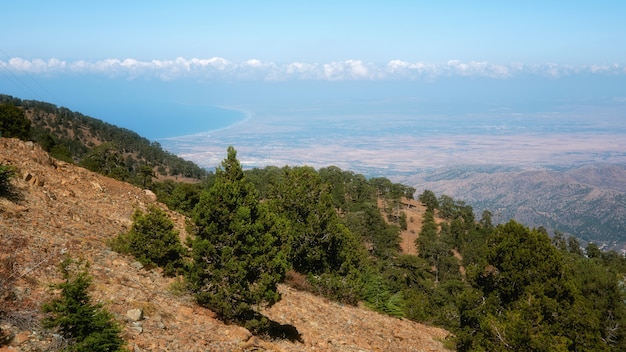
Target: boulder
x=135, y=314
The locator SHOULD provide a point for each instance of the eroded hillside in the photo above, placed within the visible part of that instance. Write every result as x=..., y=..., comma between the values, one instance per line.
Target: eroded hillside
x=57, y=208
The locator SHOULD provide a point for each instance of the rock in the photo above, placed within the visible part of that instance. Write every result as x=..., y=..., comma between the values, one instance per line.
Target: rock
x=150, y=196
x=97, y=186
x=20, y=338
x=137, y=327
x=136, y=265
x=135, y=314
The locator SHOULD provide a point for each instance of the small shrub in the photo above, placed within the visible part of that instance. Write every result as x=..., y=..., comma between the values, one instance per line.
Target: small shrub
x=7, y=172
x=297, y=281
x=153, y=240
x=178, y=287
x=87, y=326
x=343, y=289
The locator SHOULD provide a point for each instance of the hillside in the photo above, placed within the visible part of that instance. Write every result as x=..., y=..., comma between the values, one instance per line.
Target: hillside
x=99, y=146
x=414, y=211
x=60, y=208
x=588, y=202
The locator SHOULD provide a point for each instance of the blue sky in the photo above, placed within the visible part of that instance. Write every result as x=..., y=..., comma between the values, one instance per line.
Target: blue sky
x=89, y=54
x=281, y=32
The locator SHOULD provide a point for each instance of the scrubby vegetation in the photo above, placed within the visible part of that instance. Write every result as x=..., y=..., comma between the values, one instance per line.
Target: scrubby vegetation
x=86, y=327
x=13, y=123
x=7, y=172
x=92, y=143
x=153, y=240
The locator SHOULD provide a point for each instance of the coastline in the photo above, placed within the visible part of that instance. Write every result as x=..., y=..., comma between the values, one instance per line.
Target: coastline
x=247, y=116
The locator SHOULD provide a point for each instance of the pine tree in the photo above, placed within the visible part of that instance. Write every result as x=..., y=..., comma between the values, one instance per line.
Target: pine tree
x=238, y=257
x=88, y=326
x=525, y=298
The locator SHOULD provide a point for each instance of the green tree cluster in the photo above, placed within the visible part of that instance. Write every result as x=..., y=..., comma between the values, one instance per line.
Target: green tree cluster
x=71, y=136
x=13, y=123
x=524, y=295
x=88, y=327
x=520, y=290
x=181, y=196
x=338, y=236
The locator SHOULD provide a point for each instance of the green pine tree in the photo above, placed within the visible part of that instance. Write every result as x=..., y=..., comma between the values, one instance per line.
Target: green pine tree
x=238, y=257
x=87, y=326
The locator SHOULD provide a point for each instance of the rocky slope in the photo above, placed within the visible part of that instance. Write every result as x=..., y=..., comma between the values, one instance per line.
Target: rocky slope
x=57, y=208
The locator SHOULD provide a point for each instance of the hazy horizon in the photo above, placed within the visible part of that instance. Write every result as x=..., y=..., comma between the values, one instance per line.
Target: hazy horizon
x=399, y=85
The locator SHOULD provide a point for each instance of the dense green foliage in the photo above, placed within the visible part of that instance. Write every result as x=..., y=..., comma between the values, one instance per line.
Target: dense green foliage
x=321, y=245
x=153, y=240
x=13, y=123
x=182, y=197
x=528, y=295
x=97, y=145
x=87, y=326
x=336, y=231
x=239, y=254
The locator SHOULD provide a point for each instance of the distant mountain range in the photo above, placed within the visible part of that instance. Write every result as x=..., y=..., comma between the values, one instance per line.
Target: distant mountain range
x=588, y=201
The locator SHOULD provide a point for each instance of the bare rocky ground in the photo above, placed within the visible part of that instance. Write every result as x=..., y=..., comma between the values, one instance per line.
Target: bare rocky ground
x=59, y=209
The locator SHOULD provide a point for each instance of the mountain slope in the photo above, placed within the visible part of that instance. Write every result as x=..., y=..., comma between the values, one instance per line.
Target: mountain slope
x=588, y=202
x=70, y=135
x=59, y=208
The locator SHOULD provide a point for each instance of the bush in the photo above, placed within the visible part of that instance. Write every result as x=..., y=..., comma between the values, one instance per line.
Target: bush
x=88, y=326
x=153, y=240
x=7, y=172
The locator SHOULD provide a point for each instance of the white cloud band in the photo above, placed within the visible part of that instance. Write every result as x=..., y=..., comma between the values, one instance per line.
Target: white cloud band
x=219, y=68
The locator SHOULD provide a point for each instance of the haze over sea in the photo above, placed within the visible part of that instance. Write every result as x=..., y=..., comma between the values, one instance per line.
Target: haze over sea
x=375, y=133
x=376, y=128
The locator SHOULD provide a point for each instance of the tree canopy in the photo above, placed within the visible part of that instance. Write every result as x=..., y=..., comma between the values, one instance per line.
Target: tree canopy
x=238, y=254
x=13, y=123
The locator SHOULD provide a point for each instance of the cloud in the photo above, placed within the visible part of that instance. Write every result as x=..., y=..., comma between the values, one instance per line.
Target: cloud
x=218, y=68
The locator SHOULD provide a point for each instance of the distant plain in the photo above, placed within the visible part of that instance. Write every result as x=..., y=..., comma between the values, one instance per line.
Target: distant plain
x=392, y=138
